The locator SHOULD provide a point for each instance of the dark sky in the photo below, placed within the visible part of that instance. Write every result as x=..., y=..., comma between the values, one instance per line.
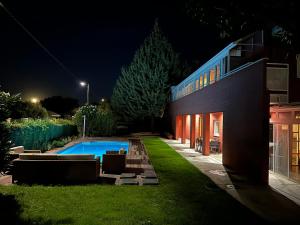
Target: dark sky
x=92, y=38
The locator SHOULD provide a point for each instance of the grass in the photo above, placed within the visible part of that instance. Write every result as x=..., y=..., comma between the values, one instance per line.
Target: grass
x=181, y=198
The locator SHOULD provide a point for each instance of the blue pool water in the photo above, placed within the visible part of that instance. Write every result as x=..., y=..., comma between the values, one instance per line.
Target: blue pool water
x=98, y=148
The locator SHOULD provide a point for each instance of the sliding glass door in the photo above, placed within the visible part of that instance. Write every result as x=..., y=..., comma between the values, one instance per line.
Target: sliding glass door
x=279, y=149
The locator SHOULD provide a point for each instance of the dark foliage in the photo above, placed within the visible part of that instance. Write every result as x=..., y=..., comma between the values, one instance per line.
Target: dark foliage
x=233, y=18
x=30, y=110
x=5, y=144
x=60, y=105
x=9, y=106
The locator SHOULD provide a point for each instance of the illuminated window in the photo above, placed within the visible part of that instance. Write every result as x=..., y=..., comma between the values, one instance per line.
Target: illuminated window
x=201, y=82
x=190, y=88
x=296, y=145
x=212, y=76
x=197, y=84
x=218, y=72
x=205, y=79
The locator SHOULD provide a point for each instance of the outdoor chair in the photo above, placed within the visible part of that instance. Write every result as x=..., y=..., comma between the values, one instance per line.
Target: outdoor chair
x=113, y=163
x=15, y=151
x=214, y=146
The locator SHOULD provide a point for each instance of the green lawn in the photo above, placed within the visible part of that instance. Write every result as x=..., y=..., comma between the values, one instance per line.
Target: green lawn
x=181, y=198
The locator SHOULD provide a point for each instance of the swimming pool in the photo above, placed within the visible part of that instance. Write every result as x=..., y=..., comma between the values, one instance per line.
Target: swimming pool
x=98, y=148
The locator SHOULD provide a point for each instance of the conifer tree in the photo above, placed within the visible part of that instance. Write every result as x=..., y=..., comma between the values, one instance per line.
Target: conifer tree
x=142, y=90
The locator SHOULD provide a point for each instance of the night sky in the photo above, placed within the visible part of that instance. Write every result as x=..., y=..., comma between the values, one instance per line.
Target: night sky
x=94, y=40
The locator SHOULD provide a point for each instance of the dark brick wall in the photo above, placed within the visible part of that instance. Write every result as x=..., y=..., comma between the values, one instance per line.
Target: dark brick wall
x=243, y=99
x=294, y=82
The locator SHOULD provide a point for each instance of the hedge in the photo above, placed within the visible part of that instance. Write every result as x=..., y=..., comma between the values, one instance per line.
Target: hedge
x=38, y=133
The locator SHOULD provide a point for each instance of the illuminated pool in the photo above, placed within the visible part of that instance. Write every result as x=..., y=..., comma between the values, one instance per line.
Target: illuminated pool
x=98, y=148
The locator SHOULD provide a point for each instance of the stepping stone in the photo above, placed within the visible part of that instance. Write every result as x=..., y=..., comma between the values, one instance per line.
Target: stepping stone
x=130, y=181
x=127, y=175
x=107, y=175
x=148, y=174
x=149, y=181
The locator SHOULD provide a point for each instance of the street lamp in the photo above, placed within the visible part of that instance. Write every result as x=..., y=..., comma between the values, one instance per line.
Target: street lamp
x=83, y=84
x=34, y=100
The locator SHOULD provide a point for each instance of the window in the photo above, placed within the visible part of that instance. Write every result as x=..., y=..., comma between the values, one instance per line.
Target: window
x=212, y=73
x=205, y=80
x=190, y=88
x=218, y=72
x=298, y=65
x=201, y=81
x=197, y=84
x=216, y=128
x=236, y=51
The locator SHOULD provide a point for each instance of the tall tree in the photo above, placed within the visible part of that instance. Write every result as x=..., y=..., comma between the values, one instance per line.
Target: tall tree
x=142, y=90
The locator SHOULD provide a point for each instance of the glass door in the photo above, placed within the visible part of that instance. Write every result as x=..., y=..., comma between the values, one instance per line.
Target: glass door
x=295, y=154
x=279, y=150
x=199, y=133
x=271, y=147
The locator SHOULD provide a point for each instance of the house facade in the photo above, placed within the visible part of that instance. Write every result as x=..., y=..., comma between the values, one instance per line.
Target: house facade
x=237, y=104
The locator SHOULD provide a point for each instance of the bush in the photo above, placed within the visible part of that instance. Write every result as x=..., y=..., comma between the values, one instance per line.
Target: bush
x=4, y=145
x=37, y=134
x=32, y=110
x=99, y=122
x=9, y=105
x=61, y=142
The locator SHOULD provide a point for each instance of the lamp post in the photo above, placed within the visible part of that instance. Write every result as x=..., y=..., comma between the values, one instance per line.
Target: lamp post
x=83, y=84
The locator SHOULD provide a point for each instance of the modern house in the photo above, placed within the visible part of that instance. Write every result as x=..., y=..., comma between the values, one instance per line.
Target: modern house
x=243, y=103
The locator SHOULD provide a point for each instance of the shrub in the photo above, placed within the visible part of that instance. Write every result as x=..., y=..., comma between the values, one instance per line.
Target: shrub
x=32, y=110
x=4, y=145
x=8, y=108
x=37, y=133
x=9, y=105
x=12, y=106
x=61, y=142
x=99, y=122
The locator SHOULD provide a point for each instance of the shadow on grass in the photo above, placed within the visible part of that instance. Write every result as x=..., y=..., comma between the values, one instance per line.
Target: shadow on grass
x=11, y=210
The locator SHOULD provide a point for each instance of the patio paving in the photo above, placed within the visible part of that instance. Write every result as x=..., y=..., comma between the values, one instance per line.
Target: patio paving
x=278, y=203
x=6, y=180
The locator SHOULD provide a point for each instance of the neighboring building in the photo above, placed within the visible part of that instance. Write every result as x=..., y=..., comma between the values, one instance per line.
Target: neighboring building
x=227, y=104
